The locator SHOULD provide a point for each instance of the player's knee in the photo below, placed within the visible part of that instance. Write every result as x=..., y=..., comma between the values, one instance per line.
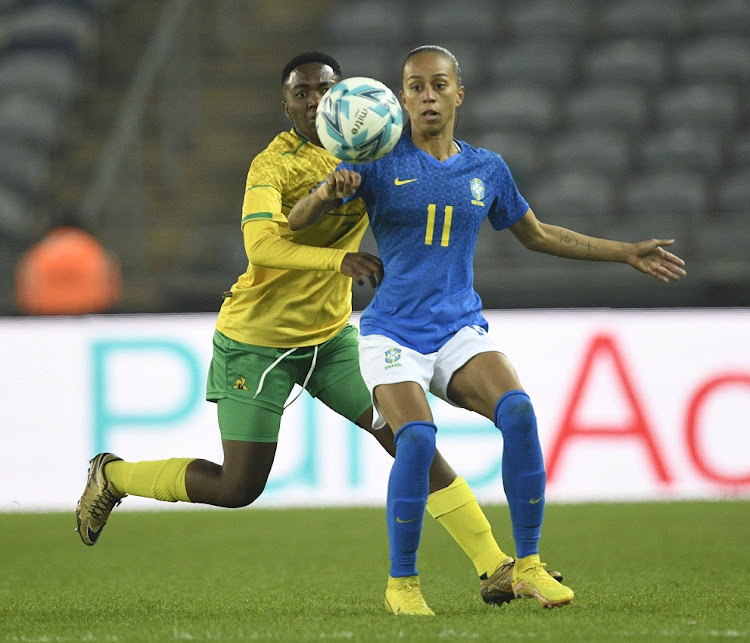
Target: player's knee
x=514, y=415
x=241, y=497
x=418, y=439
x=242, y=494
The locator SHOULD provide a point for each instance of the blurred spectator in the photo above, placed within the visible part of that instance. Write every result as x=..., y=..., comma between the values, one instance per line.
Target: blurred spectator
x=68, y=272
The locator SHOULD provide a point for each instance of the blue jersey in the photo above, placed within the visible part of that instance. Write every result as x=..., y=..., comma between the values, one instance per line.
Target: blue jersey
x=425, y=216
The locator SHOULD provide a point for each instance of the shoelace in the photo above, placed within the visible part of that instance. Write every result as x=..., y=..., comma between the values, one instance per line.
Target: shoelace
x=504, y=574
x=505, y=568
x=104, y=503
x=540, y=575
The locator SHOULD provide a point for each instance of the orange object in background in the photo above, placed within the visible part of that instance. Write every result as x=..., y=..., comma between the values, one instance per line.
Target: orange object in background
x=68, y=273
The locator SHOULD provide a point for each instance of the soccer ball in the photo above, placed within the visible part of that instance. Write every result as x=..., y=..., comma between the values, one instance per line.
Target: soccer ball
x=359, y=119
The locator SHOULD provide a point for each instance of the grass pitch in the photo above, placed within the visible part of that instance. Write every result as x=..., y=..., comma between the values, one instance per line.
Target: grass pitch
x=641, y=572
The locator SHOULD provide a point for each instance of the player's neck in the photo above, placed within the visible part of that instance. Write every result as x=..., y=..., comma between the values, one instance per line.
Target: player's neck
x=441, y=146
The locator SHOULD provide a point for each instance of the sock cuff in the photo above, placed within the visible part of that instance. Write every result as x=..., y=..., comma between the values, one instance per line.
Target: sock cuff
x=116, y=474
x=169, y=482
x=457, y=494
x=415, y=426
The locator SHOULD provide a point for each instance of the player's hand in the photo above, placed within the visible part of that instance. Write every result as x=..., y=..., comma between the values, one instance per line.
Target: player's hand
x=651, y=258
x=339, y=185
x=362, y=265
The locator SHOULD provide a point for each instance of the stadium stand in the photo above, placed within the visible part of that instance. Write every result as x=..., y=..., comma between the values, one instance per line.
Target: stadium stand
x=522, y=108
x=733, y=194
x=44, y=49
x=699, y=105
x=680, y=191
x=722, y=16
x=603, y=150
x=607, y=105
x=575, y=195
x=549, y=63
x=739, y=154
x=549, y=19
x=28, y=119
x=714, y=58
x=683, y=147
x=627, y=61
x=628, y=118
x=663, y=19
x=477, y=24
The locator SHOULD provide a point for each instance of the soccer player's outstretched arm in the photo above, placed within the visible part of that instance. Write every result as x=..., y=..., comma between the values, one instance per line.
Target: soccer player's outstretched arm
x=649, y=257
x=327, y=196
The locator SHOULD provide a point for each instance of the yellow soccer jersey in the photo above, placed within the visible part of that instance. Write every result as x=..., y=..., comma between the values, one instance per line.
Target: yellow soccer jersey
x=291, y=294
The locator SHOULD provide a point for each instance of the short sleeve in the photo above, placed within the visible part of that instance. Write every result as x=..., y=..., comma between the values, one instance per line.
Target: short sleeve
x=508, y=206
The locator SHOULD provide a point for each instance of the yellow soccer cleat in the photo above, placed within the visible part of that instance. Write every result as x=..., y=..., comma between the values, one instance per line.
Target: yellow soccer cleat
x=403, y=596
x=498, y=588
x=531, y=580
x=98, y=499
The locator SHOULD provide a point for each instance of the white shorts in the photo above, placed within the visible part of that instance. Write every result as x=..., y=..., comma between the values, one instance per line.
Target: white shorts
x=382, y=360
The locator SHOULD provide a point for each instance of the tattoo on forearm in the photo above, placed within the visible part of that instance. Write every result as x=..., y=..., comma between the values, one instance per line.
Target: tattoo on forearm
x=567, y=239
x=570, y=240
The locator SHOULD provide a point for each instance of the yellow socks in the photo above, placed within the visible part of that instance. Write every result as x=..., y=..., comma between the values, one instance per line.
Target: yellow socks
x=159, y=479
x=456, y=508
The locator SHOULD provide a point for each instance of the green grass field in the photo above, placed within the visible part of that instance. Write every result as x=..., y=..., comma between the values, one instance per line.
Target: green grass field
x=641, y=572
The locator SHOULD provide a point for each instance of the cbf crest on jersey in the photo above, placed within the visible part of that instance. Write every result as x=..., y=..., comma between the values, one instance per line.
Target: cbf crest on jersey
x=477, y=191
x=392, y=355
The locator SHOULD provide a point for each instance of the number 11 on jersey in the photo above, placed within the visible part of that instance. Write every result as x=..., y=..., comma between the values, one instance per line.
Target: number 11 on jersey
x=448, y=215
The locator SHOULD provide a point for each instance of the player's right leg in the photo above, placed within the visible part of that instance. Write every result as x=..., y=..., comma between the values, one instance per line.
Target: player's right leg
x=250, y=387
x=249, y=444
x=236, y=483
x=404, y=404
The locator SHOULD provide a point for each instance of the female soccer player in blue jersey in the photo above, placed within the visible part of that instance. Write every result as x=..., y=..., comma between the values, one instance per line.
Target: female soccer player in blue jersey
x=287, y=321
x=424, y=329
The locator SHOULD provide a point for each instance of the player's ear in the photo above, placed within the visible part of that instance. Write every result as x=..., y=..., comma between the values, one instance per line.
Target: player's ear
x=460, y=96
x=286, y=109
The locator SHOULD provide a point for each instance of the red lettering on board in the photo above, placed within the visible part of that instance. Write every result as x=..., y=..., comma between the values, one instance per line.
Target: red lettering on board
x=692, y=426
x=636, y=427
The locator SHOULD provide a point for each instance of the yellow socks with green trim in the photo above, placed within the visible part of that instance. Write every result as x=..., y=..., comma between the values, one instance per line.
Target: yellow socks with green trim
x=158, y=479
x=456, y=508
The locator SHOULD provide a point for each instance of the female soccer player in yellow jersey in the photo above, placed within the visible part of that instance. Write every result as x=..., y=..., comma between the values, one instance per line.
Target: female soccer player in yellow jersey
x=286, y=321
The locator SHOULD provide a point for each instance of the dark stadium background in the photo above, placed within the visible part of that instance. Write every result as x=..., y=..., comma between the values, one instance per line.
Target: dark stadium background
x=620, y=118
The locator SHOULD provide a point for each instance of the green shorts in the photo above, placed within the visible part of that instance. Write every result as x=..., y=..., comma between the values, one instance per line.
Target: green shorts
x=252, y=383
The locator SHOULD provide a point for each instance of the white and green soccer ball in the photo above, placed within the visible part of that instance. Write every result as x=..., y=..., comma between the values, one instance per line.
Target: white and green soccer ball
x=359, y=119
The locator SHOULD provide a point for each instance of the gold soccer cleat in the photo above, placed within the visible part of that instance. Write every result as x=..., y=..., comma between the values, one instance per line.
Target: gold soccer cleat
x=98, y=499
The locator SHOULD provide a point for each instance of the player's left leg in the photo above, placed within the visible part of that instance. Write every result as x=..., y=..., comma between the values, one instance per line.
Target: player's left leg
x=488, y=384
